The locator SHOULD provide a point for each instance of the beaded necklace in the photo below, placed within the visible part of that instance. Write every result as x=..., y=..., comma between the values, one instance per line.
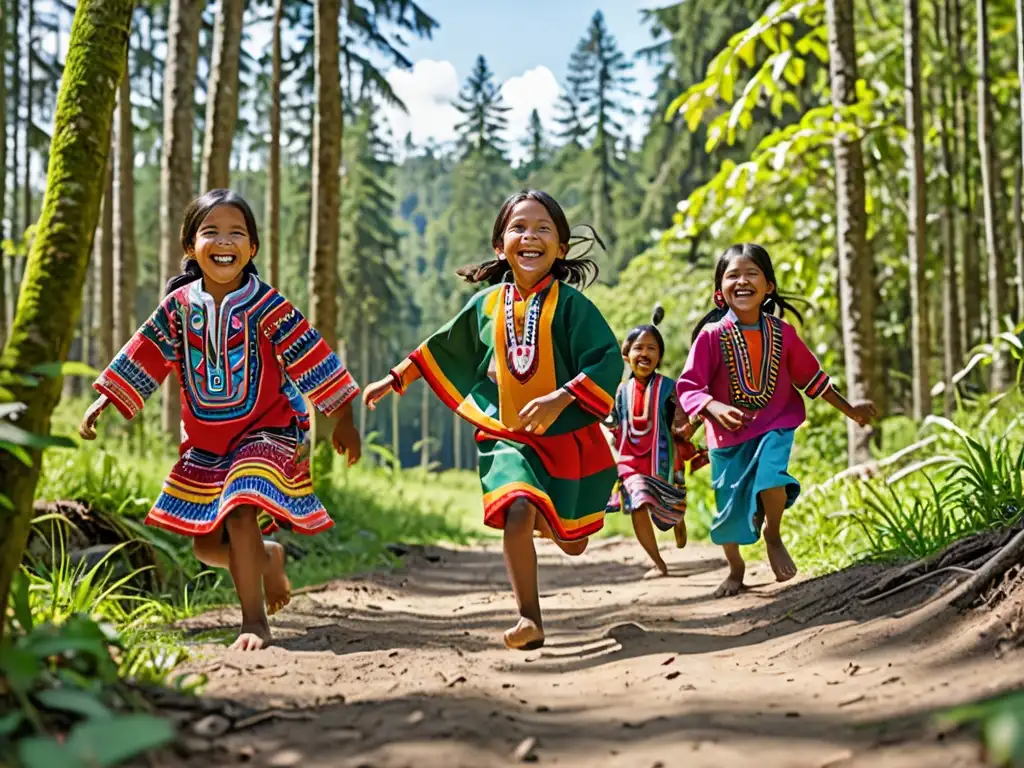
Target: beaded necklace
x=744, y=392
x=522, y=354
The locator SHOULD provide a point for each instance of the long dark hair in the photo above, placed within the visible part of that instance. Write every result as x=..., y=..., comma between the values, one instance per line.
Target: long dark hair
x=651, y=328
x=196, y=212
x=772, y=301
x=579, y=271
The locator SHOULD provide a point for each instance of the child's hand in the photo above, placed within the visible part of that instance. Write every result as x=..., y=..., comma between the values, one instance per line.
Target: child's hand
x=345, y=437
x=728, y=416
x=681, y=426
x=540, y=413
x=87, y=429
x=863, y=412
x=374, y=392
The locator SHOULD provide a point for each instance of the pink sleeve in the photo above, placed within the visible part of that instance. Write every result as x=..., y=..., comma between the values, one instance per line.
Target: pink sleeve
x=804, y=368
x=694, y=386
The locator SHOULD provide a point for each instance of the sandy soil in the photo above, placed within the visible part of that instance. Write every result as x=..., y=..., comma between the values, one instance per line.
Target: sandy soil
x=406, y=668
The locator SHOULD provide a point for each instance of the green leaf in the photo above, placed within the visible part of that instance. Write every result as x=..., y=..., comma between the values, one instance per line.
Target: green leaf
x=69, y=368
x=18, y=436
x=9, y=723
x=70, y=700
x=109, y=742
x=20, y=602
x=17, y=452
x=21, y=668
x=45, y=752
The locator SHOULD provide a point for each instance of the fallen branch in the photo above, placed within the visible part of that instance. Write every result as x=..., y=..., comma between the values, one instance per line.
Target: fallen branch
x=869, y=467
x=914, y=582
x=968, y=592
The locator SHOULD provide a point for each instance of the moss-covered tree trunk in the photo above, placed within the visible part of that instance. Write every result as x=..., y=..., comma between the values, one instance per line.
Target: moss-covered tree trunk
x=326, y=195
x=222, y=96
x=273, y=207
x=856, y=276
x=51, y=294
x=105, y=319
x=125, y=265
x=176, y=162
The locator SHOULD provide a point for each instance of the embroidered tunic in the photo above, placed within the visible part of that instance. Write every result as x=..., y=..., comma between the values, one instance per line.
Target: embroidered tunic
x=504, y=350
x=651, y=466
x=720, y=367
x=243, y=370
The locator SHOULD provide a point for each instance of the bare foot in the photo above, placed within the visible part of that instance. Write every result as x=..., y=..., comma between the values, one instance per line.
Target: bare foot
x=781, y=562
x=252, y=638
x=731, y=586
x=680, y=533
x=277, y=590
x=659, y=571
x=524, y=636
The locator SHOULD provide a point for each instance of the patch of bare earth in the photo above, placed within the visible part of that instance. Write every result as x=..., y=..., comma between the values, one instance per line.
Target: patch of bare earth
x=406, y=668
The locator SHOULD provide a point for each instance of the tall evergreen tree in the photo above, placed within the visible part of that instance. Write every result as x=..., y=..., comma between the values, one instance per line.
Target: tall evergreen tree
x=483, y=115
x=571, y=102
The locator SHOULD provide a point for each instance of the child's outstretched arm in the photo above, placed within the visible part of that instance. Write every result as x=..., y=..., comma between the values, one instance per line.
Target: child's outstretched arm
x=398, y=380
x=861, y=411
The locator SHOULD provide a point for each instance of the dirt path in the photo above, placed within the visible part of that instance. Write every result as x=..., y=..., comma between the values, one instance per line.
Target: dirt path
x=405, y=669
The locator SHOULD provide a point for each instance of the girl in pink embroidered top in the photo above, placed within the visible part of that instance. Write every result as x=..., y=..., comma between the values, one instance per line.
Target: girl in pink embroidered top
x=744, y=376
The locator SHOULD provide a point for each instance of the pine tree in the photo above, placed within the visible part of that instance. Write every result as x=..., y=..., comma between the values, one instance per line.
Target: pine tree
x=571, y=102
x=536, y=146
x=484, y=115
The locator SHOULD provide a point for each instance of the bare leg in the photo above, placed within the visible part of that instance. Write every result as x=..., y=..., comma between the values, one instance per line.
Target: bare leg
x=734, y=583
x=246, y=562
x=773, y=501
x=572, y=548
x=521, y=563
x=679, y=530
x=212, y=550
x=644, y=530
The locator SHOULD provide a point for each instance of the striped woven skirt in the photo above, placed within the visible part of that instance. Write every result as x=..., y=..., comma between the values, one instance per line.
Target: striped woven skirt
x=667, y=503
x=269, y=469
x=567, y=477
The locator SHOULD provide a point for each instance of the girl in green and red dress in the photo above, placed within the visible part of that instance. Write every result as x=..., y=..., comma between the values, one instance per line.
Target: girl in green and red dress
x=532, y=364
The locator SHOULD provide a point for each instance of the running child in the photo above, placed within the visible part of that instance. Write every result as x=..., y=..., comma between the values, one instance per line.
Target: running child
x=744, y=376
x=531, y=363
x=243, y=355
x=652, y=437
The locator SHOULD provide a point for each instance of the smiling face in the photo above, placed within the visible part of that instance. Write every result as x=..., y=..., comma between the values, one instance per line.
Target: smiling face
x=530, y=243
x=223, y=248
x=644, y=355
x=744, y=287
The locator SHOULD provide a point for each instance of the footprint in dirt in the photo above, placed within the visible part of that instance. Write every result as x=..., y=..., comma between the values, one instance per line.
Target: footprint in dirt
x=627, y=632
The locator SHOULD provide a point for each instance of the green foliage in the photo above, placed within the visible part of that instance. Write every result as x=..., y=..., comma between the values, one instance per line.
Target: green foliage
x=1001, y=722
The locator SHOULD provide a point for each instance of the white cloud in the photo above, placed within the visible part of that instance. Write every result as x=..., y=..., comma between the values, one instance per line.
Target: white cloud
x=429, y=88
x=537, y=89
x=427, y=91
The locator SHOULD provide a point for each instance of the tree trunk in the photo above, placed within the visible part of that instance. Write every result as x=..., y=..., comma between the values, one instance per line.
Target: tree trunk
x=29, y=117
x=425, y=428
x=944, y=99
x=1018, y=242
x=15, y=119
x=105, y=321
x=457, y=440
x=364, y=371
x=989, y=174
x=273, y=222
x=323, y=241
x=917, y=232
x=222, y=96
x=125, y=266
x=970, y=268
x=59, y=258
x=855, y=268
x=1018, y=228
x=396, y=436
x=176, y=162
x=3, y=170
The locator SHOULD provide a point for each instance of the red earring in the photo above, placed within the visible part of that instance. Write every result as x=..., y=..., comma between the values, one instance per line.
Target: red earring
x=719, y=299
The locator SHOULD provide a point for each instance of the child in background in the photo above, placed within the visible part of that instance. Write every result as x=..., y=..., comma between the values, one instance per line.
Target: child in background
x=744, y=376
x=531, y=363
x=652, y=437
x=243, y=354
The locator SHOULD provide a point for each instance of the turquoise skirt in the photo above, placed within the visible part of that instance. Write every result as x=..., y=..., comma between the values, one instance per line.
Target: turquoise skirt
x=739, y=473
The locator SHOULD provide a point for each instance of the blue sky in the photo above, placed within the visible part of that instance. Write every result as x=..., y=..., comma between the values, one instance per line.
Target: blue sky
x=527, y=44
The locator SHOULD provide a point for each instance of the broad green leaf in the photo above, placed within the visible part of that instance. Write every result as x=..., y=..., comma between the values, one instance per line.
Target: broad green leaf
x=17, y=452
x=9, y=723
x=70, y=700
x=11, y=409
x=21, y=668
x=779, y=65
x=9, y=433
x=20, y=602
x=45, y=752
x=109, y=742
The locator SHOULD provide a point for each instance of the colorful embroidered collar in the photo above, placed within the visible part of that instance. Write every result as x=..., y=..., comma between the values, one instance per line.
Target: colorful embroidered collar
x=742, y=388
